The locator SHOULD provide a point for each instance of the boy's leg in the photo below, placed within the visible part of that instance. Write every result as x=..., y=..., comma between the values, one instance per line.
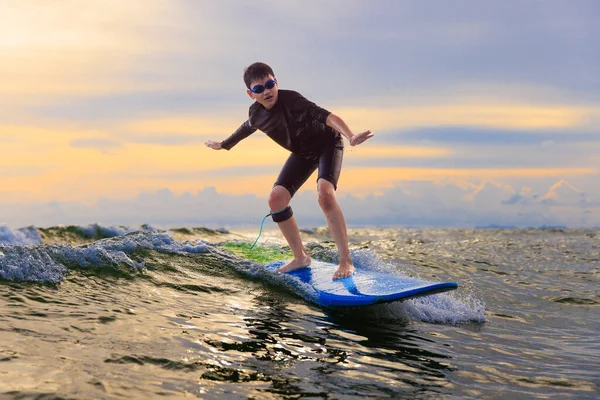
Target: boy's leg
x=278, y=200
x=337, y=227
x=294, y=173
x=330, y=167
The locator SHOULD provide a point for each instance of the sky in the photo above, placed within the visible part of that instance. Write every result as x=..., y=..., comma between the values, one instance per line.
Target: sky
x=484, y=112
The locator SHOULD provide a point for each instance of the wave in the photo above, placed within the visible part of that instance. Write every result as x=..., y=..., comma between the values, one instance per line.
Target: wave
x=28, y=235
x=50, y=263
x=71, y=233
x=77, y=233
x=576, y=301
x=125, y=254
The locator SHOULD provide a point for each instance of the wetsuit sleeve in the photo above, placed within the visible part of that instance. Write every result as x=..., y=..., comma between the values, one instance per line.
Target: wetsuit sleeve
x=240, y=134
x=307, y=109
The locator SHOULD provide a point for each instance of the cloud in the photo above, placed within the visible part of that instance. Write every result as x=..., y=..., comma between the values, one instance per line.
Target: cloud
x=489, y=192
x=563, y=193
x=469, y=135
x=184, y=124
x=500, y=116
x=363, y=180
x=411, y=50
x=64, y=48
x=442, y=203
x=524, y=196
x=19, y=171
x=94, y=143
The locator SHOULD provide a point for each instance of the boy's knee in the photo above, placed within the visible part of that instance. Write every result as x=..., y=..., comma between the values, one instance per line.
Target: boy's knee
x=279, y=198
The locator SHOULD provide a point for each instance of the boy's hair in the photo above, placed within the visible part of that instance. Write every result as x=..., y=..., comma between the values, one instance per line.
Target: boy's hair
x=255, y=72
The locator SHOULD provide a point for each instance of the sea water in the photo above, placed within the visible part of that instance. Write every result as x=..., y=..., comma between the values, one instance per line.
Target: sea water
x=120, y=312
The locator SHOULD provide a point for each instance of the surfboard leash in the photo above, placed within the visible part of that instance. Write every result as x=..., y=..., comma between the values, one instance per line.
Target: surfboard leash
x=261, y=229
x=278, y=216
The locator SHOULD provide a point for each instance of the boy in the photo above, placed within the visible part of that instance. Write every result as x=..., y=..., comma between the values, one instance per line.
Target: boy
x=312, y=135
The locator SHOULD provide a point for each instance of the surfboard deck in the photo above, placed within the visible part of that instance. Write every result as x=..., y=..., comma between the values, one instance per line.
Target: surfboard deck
x=364, y=287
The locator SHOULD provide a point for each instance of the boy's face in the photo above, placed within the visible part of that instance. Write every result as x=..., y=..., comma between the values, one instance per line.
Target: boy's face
x=268, y=97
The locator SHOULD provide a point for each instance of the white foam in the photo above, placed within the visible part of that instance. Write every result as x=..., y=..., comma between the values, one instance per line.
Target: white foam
x=110, y=231
x=29, y=263
x=24, y=236
x=50, y=263
x=443, y=308
x=446, y=308
x=369, y=260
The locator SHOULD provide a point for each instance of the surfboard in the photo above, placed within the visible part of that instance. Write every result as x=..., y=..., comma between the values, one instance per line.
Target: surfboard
x=364, y=287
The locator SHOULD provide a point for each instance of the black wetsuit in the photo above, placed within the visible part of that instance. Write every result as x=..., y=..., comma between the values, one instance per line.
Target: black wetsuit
x=298, y=125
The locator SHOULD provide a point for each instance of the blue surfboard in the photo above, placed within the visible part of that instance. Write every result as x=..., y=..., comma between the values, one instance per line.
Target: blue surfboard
x=364, y=287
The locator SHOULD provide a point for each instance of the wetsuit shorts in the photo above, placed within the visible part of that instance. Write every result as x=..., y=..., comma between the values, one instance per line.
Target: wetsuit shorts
x=298, y=169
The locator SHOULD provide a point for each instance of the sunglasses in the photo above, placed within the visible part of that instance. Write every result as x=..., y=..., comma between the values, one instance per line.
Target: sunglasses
x=258, y=89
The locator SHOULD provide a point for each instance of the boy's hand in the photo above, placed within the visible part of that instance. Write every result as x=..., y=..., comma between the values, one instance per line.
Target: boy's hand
x=213, y=145
x=361, y=137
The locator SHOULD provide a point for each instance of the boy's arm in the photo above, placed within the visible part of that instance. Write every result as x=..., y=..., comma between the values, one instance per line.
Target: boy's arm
x=335, y=122
x=314, y=112
x=241, y=133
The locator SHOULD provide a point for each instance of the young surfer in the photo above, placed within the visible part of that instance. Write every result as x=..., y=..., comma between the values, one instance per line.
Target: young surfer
x=312, y=135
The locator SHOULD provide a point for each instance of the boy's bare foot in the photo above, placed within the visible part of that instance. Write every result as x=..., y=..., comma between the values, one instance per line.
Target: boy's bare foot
x=296, y=263
x=344, y=270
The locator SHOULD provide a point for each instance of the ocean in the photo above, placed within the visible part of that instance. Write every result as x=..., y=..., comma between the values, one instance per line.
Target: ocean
x=95, y=312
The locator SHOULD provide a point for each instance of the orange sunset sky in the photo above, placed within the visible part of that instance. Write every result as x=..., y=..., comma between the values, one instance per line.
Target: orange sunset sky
x=111, y=101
